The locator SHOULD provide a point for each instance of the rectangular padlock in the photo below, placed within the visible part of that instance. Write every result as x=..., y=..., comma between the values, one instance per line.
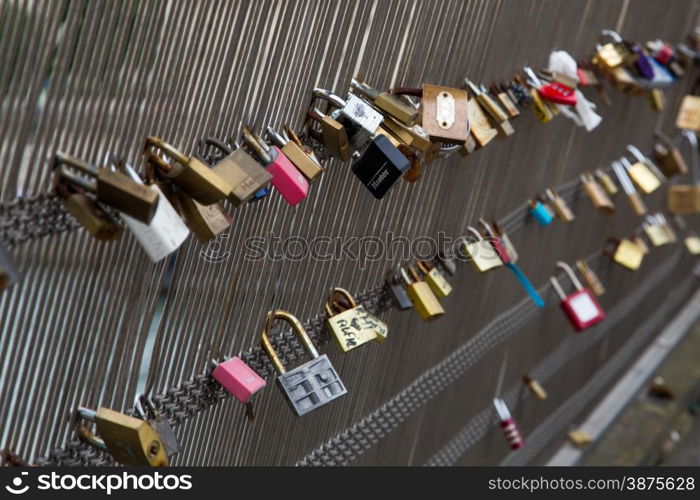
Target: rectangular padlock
x=480, y=127
x=483, y=256
x=541, y=213
x=397, y=291
x=381, y=165
x=350, y=324
x=626, y=253
x=424, y=300
x=239, y=379
x=581, y=307
x=435, y=280
x=445, y=113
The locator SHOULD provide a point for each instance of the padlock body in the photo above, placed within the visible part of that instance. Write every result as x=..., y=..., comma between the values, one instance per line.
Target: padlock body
x=657, y=234
x=167, y=436
x=238, y=378
x=480, y=127
x=398, y=294
x=395, y=107
x=245, y=176
x=670, y=161
x=360, y=120
x=199, y=181
x=561, y=208
x=692, y=244
x=684, y=199
x=205, y=221
x=123, y=193
x=92, y=217
x=541, y=214
x=302, y=161
x=445, y=113
x=643, y=177
x=354, y=327
x=601, y=201
x=335, y=138
x=558, y=93
x=381, y=165
x=129, y=440
x=500, y=249
x=628, y=254
x=424, y=301
x=582, y=309
x=689, y=113
x=311, y=385
x=290, y=183
x=437, y=283
x=537, y=390
x=483, y=256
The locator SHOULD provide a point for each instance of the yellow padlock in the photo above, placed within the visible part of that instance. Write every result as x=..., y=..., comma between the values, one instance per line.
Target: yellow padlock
x=350, y=324
x=625, y=252
x=483, y=256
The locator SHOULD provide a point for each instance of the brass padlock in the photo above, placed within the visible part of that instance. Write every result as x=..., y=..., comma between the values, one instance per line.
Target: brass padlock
x=424, y=300
x=542, y=110
x=606, y=181
x=656, y=99
x=445, y=115
x=580, y=438
x=387, y=103
x=559, y=205
x=535, y=387
x=129, y=440
x=505, y=100
x=625, y=252
x=635, y=199
x=415, y=170
x=686, y=199
x=190, y=174
x=601, y=201
x=239, y=169
x=688, y=117
x=480, y=127
x=640, y=242
x=468, y=147
x=668, y=156
x=483, y=256
x=657, y=233
x=415, y=136
x=498, y=117
x=435, y=279
x=301, y=156
x=351, y=324
x=111, y=188
x=333, y=135
x=590, y=277
x=643, y=173
x=85, y=210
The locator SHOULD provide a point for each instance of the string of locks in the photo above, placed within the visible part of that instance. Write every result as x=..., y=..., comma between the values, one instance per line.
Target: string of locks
x=387, y=136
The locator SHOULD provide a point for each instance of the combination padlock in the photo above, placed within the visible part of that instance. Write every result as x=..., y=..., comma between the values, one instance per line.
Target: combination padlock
x=111, y=188
x=310, y=385
x=301, y=156
x=508, y=425
x=240, y=170
x=9, y=272
x=424, y=300
x=286, y=178
x=581, y=307
x=190, y=174
x=558, y=93
x=147, y=411
x=349, y=323
x=239, y=379
x=625, y=252
x=541, y=212
x=482, y=255
x=397, y=291
x=435, y=279
x=130, y=440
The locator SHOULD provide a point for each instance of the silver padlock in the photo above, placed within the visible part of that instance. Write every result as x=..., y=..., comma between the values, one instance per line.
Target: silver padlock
x=9, y=273
x=397, y=291
x=310, y=385
x=146, y=410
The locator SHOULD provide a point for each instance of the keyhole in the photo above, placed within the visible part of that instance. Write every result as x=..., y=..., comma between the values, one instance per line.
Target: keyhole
x=444, y=94
x=154, y=448
x=444, y=124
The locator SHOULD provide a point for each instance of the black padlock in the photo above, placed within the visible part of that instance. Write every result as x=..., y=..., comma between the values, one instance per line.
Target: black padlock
x=381, y=165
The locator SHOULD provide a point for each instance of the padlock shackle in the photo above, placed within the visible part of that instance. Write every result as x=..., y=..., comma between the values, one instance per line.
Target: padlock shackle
x=412, y=91
x=276, y=138
x=292, y=136
x=414, y=274
x=61, y=158
x=67, y=177
x=424, y=266
x=91, y=438
x=404, y=275
x=624, y=179
x=158, y=162
x=168, y=149
x=479, y=236
x=212, y=141
x=501, y=408
x=570, y=272
x=487, y=227
x=557, y=287
x=329, y=96
x=694, y=159
x=343, y=292
x=613, y=35
x=530, y=75
x=631, y=148
x=259, y=147
x=298, y=329
x=364, y=89
x=86, y=413
x=472, y=87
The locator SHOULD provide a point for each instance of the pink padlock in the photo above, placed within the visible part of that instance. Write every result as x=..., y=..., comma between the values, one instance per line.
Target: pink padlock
x=508, y=425
x=286, y=178
x=238, y=378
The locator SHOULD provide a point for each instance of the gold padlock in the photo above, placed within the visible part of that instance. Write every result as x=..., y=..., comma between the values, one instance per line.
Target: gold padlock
x=590, y=278
x=692, y=243
x=87, y=212
x=302, y=157
x=535, y=387
x=656, y=99
x=542, y=110
x=606, y=181
x=130, y=441
x=601, y=201
x=688, y=117
x=625, y=252
x=435, y=279
x=640, y=242
x=351, y=324
x=190, y=174
x=483, y=256
x=635, y=199
x=498, y=117
x=505, y=100
x=643, y=173
x=415, y=136
x=387, y=103
x=657, y=234
x=686, y=199
x=559, y=205
x=424, y=300
x=668, y=156
x=333, y=135
x=480, y=127
x=580, y=438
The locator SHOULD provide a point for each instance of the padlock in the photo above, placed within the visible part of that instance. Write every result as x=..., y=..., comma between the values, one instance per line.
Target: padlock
x=448, y=262
x=478, y=124
x=541, y=212
x=166, y=231
x=350, y=324
x=580, y=438
x=422, y=297
x=506, y=241
x=96, y=221
x=505, y=100
x=288, y=181
x=112, y=188
x=415, y=169
x=130, y=440
x=656, y=100
x=468, y=147
x=146, y=410
x=643, y=173
x=635, y=199
x=535, y=387
x=606, y=181
x=558, y=93
x=483, y=256
x=601, y=201
x=543, y=112
x=581, y=307
x=559, y=205
x=415, y=136
x=240, y=170
x=499, y=118
x=656, y=232
x=625, y=252
x=397, y=291
x=590, y=277
x=387, y=103
x=642, y=63
x=685, y=199
x=692, y=244
x=505, y=128
x=239, y=379
x=445, y=115
x=205, y=221
x=358, y=117
x=191, y=174
x=688, y=117
x=302, y=157
x=9, y=273
x=666, y=226
x=508, y=425
x=640, y=242
x=608, y=56
x=559, y=77
x=380, y=166
x=435, y=279
x=668, y=156
x=310, y=385
x=333, y=135
x=661, y=51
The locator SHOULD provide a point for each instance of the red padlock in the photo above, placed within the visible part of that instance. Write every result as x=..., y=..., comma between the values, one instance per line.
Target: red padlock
x=581, y=307
x=558, y=93
x=508, y=425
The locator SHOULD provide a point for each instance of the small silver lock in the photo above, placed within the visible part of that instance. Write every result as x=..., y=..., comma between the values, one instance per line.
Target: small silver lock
x=146, y=410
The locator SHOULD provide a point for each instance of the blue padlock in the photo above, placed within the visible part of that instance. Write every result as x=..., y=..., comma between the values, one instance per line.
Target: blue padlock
x=541, y=212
